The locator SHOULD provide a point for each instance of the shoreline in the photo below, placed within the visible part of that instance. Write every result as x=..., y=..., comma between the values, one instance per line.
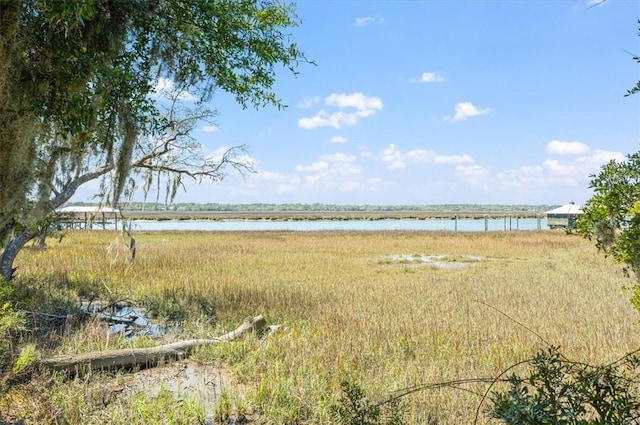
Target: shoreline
x=321, y=215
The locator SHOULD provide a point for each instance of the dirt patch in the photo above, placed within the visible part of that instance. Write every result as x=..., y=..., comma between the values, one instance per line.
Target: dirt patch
x=187, y=379
x=440, y=261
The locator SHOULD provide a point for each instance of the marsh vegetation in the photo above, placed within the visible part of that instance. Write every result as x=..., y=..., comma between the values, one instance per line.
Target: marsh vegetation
x=361, y=307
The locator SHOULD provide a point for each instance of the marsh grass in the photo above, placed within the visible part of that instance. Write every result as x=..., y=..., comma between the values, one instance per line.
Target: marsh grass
x=348, y=314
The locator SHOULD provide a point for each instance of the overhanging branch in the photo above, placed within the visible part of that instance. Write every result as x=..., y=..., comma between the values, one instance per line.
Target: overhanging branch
x=70, y=189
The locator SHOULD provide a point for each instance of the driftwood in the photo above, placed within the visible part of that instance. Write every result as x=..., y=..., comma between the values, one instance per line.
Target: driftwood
x=143, y=357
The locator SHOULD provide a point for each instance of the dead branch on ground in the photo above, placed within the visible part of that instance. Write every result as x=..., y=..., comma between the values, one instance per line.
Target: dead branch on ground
x=143, y=357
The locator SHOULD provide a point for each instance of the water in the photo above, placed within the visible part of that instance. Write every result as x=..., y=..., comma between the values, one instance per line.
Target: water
x=460, y=225
x=131, y=321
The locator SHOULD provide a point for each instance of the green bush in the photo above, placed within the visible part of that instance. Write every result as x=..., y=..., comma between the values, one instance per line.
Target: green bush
x=559, y=391
x=28, y=356
x=354, y=408
x=11, y=322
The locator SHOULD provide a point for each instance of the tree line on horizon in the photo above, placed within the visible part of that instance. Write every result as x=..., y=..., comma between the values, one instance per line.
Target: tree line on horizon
x=321, y=207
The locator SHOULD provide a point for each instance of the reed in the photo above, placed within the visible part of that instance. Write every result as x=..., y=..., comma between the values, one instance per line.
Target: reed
x=357, y=306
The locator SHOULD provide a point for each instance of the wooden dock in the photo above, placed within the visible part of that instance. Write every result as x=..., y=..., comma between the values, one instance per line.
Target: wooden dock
x=87, y=217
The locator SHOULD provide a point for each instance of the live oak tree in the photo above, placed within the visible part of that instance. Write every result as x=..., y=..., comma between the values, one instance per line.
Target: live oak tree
x=78, y=97
x=612, y=215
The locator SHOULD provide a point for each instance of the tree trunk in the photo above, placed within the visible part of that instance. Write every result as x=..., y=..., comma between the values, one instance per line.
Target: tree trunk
x=143, y=357
x=10, y=252
x=18, y=242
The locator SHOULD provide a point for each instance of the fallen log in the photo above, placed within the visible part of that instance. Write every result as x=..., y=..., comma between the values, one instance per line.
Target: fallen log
x=143, y=357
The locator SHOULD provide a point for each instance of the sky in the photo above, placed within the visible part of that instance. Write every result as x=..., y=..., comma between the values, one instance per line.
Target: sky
x=438, y=102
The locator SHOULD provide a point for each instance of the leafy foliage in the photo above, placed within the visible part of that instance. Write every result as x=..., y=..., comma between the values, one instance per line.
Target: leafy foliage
x=558, y=391
x=79, y=96
x=28, y=356
x=612, y=216
x=11, y=322
x=354, y=408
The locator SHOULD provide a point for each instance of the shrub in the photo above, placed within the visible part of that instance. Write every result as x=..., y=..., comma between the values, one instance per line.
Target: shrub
x=559, y=391
x=354, y=408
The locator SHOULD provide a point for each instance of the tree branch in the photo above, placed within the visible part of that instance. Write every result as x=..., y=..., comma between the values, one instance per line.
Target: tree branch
x=144, y=357
x=70, y=189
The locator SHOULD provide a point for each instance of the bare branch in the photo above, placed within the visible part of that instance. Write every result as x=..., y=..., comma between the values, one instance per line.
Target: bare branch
x=593, y=4
x=71, y=188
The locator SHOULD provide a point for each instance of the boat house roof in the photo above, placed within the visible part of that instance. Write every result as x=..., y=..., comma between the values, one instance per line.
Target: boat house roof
x=569, y=208
x=88, y=209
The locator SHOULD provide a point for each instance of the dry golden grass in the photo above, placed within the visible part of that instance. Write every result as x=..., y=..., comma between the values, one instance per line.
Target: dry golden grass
x=351, y=311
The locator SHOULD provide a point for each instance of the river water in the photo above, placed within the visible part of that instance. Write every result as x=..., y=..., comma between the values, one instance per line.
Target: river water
x=460, y=225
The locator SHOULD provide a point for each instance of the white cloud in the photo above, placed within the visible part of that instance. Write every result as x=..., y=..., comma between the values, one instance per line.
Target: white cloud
x=465, y=110
x=399, y=174
x=531, y=179
x=283, y=183
x=210, y=128
x=558, y=168
x=419, y=155
x=326, y=119
x=354, y=100
x=396, y=159
x=320, y=119
x=567, y=148
x=332, y=172
x=453, y=159
x=338, y=157
x=327, y=175
x=571, y=172
x=349, y=186
x=393, y=158
x=429, y=77
x=314, y=167
x=601, y=157
x=309, y=102
x=474, y=175
x=217, y=155
x=339, y=139
x=357, y=105
x=365, y=153
x=365, y=20
x=165, y=88
x=544, y=180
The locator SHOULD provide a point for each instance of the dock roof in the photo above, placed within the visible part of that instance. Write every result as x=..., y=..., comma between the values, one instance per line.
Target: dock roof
x=88, y=209
x=569, y=208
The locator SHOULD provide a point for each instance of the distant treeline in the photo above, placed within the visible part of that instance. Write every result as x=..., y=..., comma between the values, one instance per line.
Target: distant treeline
x=318, y=207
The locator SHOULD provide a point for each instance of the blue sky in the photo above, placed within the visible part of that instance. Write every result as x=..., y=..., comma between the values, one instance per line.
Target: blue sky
x=434, y=102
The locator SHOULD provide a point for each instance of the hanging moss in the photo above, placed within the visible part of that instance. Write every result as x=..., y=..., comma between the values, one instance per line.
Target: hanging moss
x=76, y=80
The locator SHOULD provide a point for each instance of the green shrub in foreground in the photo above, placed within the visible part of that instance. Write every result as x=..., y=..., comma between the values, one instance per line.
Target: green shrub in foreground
x=354, y=408
x=559, y=391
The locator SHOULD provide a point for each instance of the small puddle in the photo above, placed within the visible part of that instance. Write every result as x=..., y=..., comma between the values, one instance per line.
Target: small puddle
x=128, y=320
x=440, y=261
x=183, y=379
